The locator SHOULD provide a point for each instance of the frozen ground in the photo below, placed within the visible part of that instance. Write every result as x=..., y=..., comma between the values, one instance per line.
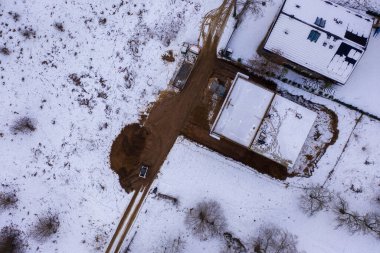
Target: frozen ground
x=361, y=89
x=81, y=70
x=248, y=199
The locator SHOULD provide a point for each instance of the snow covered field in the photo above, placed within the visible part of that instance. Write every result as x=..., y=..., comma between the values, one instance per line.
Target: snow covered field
x=80, y=70
x=248, y=200
x=358, y=174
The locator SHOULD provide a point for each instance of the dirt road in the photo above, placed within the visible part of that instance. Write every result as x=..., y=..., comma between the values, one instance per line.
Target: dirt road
x=151, y=142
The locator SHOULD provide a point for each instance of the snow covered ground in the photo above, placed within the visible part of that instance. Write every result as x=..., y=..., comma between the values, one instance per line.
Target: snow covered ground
x=358, y=174
x=361, y=89
x=248, y=200
x=80, y=70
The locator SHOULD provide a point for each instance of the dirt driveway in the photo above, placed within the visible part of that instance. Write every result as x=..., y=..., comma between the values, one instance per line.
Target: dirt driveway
x=151, y=142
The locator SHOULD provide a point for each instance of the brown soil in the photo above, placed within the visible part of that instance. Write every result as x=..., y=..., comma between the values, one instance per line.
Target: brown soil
x=126, y=151
x=167, y=117
x=168, y=56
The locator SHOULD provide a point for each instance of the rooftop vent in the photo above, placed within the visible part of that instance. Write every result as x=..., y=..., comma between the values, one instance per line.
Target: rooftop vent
x=298, y=6
x=314, y=36
x=320, y=22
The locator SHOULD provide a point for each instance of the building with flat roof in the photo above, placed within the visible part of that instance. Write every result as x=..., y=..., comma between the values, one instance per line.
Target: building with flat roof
x=263, y=121
x=320, y=36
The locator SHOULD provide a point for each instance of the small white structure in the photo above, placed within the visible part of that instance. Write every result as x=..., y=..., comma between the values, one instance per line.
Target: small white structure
x=264, y=122
x=321, y=36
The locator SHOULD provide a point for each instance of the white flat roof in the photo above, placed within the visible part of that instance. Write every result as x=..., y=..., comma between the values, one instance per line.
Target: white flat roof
x=333, y=54
x=242, y=111
x=284, y=131
x=338, y=18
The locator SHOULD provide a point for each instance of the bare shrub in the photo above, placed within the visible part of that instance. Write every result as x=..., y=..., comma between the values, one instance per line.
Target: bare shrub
x=28, y=33
x=167, y=31
x=129, y=77
x=100, y=241
x=23, y=125
x=254, y=7
x=263, y=66
x=8, y=200
x=363, y=5
x=14, y=15
x=173, y=245
x=12, y=240
x=233, y=245
x=5, y=51
x=377, y=199
x=271, y=239
x=168, y=56
x=59, y=26
x=206, y=219
x=102, y=21
x=75, y=79
x=315, y=199
x=46, y=226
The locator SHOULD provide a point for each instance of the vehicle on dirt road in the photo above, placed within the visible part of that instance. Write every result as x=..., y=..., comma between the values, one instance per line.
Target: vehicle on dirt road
x=190, y=55
x=143, y=171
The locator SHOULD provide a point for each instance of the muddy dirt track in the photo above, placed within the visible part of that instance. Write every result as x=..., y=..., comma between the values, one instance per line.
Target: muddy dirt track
x=151, y=143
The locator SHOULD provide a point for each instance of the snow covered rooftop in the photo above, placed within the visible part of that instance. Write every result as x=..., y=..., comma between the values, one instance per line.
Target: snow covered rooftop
x=263, y=122
x=321, y=36
x=242, y=111
x=284, y=131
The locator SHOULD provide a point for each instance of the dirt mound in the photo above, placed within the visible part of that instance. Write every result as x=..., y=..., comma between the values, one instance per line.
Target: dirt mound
x=126, y=152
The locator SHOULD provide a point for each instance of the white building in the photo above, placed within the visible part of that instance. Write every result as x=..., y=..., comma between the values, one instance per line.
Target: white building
x=321, y=36
x=264, y=122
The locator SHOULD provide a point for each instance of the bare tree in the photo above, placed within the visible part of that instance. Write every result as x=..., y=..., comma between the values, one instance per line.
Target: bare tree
x=372, y=223
x=206, y=219
x=233, y=245
x=353, y=221
x=23, y=125
x=347, y=218
x=315, y=199
x=8, y=200
x=271, y=239
x=46, y=227
x=12, y=240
